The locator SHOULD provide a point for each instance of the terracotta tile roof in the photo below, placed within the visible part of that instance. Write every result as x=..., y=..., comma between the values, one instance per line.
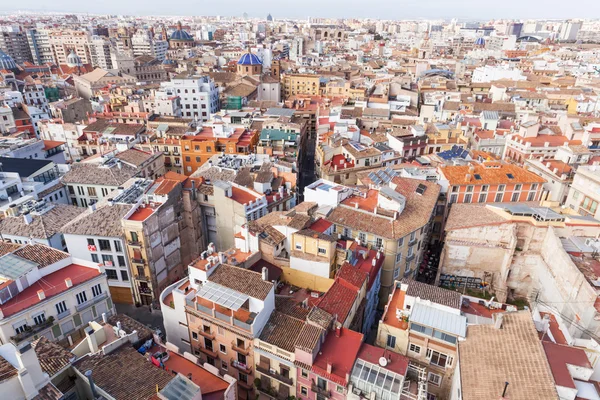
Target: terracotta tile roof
x=104, y=221
x=338, y=301
x=560, y=357
x=53, y=358
x=42, y=226
x=290, y=307
x=513, y=354
x=51, y=144
x=135, y=157
x=124, y=374
x=316, y=235
x=309, y=337
x=396, y=362
x=320, y=318
x=41, y=254
x=415, y=215
x=7, y=370
x=6, y=247
x=242, y=280
x=352, y=276
x=49, y=392
x=284, y=218
x=469, y=215
x=92, y=174
x=491, y=173
x=129, y=325
x=436, y=294
x=282, y=331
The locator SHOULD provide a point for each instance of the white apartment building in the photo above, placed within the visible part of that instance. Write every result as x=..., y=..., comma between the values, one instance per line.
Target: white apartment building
x=46, y=292
x=584, y=194
x=34, y=95
x=97, y=236
x=488, y=74
x=144, y=44
x=63, y=42
x=101, y=54
x=39, y=44
x=198, y=95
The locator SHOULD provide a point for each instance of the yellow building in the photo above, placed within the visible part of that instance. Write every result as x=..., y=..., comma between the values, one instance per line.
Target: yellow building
x=442, y=137
x=301, y=84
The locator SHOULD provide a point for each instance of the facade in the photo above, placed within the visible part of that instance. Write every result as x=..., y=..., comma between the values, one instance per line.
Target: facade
x=39, y=46
x=62, y=296
x=199, y=97
x=14, y=43
x=65, y=41
x=583, y=195
x=301, y=84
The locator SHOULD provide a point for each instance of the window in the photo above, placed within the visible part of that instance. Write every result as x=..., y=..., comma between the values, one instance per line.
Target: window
x=124, y=276
x=396, y=273
x=362, y=237
x=439, y=359
x=468, y=197
x=400, y=242
x=531, y=196
x=224, y=365
x=421, y=329
x=91, y=242
x=501, y=188
x=498, y=198
x=304, y=373
x=91, y=191
x=453, y=198
x=485, y=188
x=348, y=232
x=454, y=189
x=482, y=197
x=118, y=247
x=104, y=244
x=81, y=297
x=303, y=391
x=95, y=258
x=339, y=389
x=108, y=260
x=469, y=188
x=414, y=348
x=378, y=243
x=61, y=307
x=515, y=197
x=111, y=274
x=322, y=251
x=96, y=290
x=121, y=261
x=445, y=337
x=222, y=348
x=434, y=379
x=20, y=327
x=391, y=341
x=518, y=187
x=195, y=335
x=534, y=186
x=39, y=319
x=398, y=257
x=298, y=246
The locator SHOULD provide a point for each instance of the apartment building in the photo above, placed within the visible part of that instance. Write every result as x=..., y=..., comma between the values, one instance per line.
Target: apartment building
x=583, y=195
x=220, y=138
x=14, y=42
x=144, y=44
x=301, y=84
x=39, y=46
x=63, y=42
x=425, y=323
x=63, y=294
x=34, y=95
x=97, y=236
x=198, y=95
x=394, y=214
x=227, y=308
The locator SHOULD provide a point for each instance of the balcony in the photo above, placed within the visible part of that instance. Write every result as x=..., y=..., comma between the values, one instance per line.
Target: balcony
x=320, y=391
x=91, y=302
x=142, y=278
x=63, y=314
x=245, y=350
x=246, y=369
x=245, y=385
x=208, y=335
x=138, y=261
x=32, y=330
x=209, y=352
x=273, y=374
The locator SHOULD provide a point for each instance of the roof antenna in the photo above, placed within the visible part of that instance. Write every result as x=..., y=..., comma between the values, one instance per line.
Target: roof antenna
x=505, y=387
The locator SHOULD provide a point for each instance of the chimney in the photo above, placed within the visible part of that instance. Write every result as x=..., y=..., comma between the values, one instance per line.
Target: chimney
x=68, y=282
x=41, y=294
x=88, y=374
x=468, y=178
x=374, y=261
x=27, y=218
x=338, y=331
x=329, y=367
x=265, y=274
x=498, y=321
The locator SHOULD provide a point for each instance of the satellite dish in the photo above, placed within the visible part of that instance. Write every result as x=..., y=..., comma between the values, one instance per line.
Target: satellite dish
x=383, y=361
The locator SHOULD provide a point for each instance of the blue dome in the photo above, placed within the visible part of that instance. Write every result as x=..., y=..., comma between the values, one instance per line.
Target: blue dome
x=480, y=41
x=6, y=61
x=168, y=62
x=249, y=59
x=180, y=34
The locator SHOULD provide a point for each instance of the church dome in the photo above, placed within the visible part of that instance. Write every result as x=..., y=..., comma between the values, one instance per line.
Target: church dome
x=6, y=61
x=180, y=34
x=480, y=41
x=73, y=60
x=249, y=59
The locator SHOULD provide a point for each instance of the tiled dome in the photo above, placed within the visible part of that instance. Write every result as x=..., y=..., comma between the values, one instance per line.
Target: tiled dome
x=73, y=60
x=6, y=61
x=480, y=41
x=180, y=34
x=249, y=59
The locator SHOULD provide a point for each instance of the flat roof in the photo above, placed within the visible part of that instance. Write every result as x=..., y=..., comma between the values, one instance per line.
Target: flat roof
x=439, y=319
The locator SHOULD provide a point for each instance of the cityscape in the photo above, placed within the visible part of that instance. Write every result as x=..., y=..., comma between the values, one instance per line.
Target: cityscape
x=310, y=208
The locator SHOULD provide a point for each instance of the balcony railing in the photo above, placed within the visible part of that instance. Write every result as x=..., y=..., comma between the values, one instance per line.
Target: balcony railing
x=142, y=278
x=209, y=352
x=242, y=325
x=245, y=350
x=134, y=243
x=32, y=330
x=246, y=369
x=320, y=391
x=138, y=260
x=273, y=374
x=208, y=335
x=91, y=302
x=204, y=309
x=63, y=314
x=222, y=317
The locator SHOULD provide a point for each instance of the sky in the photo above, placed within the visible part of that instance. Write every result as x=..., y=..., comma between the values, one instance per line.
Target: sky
x=382, y=9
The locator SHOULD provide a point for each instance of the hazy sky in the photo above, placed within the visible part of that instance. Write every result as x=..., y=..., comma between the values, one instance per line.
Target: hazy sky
x=384, y=9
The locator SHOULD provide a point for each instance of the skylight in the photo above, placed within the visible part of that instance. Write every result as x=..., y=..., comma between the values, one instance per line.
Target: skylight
x=510, y=176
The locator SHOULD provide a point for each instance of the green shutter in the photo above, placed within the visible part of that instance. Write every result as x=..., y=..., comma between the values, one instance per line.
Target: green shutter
x=94, y=311
x=56, y=331
x=77, y=319
x=109, y=303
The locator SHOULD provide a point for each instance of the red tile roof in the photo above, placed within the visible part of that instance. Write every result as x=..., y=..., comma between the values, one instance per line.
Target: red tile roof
x=557, y=334
x=52, y=285
x=242, y=196
x=559, y=356
x=338, y=300
x=351, y=277
x=339, y=350
x=51, y=144
x=321, y=225
x=366, y=265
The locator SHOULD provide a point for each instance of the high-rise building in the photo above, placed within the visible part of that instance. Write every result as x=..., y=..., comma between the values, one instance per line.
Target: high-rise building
x=62, y=42
x=144, y=44
x=100, y=49
x=39, y=46
x=14, y=42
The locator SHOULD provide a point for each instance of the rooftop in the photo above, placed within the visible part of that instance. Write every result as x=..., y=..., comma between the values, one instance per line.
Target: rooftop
x=338, y=301
x=94, y=174
x=53, y=357
x=282, y=330
x=340, y=349
x=104, y=221
x=42, y=226
x=488, y=173
x=241, y=280
x=513, y=354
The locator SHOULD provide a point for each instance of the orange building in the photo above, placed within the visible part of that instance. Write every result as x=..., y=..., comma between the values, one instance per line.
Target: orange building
x=197, y=149
x=491, y=182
